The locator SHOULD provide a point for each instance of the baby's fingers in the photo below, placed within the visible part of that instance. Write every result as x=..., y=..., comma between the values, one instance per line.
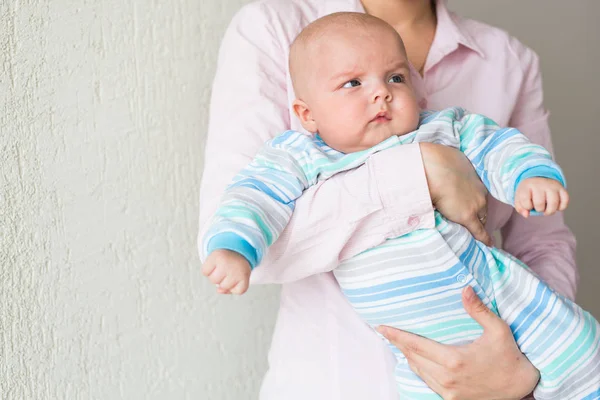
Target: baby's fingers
x=539, y=200
x=232, y=285
x=564, y=199
x=523, y=203
x=228, y=283
x=221, y=291
x=552, y=201
x=522, y=210
x=208, y=267
x=241, y=287
x=217, y=275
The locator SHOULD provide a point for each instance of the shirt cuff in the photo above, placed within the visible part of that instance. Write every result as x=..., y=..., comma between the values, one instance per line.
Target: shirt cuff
x=403, y=190
x=233, y=242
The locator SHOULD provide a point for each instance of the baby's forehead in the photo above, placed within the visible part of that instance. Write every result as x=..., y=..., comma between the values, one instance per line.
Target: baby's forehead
x=350, y=41
x=355, y=47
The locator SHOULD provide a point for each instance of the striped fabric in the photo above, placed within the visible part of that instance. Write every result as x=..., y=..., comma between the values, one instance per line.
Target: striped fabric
x=414, y=282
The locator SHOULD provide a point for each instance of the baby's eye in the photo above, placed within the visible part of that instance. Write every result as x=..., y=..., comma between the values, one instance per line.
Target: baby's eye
x=396, y=79
x=352, y=83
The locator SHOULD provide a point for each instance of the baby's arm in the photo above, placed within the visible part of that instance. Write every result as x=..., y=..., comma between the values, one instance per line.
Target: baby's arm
x=259, y=203
x=508, y=162
x=253, y=212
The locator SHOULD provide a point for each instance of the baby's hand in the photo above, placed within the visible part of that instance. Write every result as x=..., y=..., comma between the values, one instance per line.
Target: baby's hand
x=229, y=270
x=542, y=194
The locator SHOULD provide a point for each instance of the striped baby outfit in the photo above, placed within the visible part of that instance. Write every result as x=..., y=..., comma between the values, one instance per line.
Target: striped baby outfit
x=414, y=282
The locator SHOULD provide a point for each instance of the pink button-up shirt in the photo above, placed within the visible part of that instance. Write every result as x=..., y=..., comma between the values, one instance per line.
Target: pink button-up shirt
x=321, y=349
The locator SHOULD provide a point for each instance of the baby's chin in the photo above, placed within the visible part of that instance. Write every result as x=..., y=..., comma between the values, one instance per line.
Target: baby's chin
x=370, y=139
x=376, y=136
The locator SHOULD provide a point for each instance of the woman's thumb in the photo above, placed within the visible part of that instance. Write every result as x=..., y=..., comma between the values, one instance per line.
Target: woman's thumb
x=477, y=310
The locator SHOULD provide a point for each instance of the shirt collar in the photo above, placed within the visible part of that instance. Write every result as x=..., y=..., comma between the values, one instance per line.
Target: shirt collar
x=452, y=31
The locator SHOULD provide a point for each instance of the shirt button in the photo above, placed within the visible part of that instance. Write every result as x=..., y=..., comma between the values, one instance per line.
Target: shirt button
x=461, y=278
x=413, y=220
x=423, y=104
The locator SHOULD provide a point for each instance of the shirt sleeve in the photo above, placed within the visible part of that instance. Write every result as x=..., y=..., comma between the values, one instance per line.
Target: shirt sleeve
x=259, y=202
x=545, y=244
x=502, y=157
x=248, y=107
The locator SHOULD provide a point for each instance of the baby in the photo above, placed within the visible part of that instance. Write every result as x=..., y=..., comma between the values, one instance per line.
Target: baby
x=351, y=78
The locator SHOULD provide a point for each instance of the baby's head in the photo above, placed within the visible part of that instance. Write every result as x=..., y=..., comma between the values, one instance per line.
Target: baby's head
x=351, y=78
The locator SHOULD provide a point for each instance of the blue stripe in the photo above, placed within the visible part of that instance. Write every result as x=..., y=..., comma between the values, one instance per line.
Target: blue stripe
x=500, y=136
x=260, y=186
x=540, y=322
x=438, y=309
x=531, y=312
x=593, y=396
x=453, y=271
x=233, y=242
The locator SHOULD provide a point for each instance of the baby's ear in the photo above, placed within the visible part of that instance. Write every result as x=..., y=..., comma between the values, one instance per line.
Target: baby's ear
x=304, y=115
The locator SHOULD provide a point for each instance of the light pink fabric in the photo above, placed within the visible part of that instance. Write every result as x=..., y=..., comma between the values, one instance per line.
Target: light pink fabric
x=321, y=349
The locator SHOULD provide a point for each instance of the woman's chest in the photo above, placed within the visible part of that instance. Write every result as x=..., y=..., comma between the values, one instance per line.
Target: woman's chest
x=463, y=78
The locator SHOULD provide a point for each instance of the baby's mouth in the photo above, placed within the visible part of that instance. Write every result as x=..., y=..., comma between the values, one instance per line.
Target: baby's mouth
x=382, y=116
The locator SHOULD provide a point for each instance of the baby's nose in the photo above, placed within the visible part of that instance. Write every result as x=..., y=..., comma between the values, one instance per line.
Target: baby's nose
x=382, y=93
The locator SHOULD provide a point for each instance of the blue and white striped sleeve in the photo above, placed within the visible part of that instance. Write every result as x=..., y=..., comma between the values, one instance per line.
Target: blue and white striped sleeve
x=502, y=157
x=259, y=202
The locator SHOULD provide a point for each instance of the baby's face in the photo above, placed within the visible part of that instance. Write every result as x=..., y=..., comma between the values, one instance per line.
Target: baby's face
x=361, y=93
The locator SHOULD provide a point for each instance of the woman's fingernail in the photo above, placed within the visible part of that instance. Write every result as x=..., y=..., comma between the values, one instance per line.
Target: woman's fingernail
x=381, y=330
x=469, y=293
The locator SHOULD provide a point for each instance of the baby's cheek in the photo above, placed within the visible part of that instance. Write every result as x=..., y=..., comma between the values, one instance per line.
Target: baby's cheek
x=347, y=124
x=415, y=112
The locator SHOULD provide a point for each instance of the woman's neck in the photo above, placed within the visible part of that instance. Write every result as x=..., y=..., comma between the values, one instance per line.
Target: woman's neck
x=402, y=13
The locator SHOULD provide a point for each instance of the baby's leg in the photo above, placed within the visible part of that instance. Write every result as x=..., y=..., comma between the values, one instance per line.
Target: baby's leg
x=451, y=326
x=559, y=338
x=412, y=283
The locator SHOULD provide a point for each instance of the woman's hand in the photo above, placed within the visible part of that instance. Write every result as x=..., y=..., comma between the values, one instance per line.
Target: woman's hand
x=492, y=367
x=456, y=190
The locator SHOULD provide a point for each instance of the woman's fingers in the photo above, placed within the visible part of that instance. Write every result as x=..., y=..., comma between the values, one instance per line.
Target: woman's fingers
x=442, y=354
x=477, y=229
x=410, y=344
x=434, y=375
x=481, y=313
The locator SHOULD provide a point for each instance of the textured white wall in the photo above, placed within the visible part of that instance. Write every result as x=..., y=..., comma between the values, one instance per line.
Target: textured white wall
x=102, y=119
x=103, y=107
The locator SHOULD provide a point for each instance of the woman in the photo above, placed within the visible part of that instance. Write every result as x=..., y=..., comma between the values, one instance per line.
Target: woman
x=321, y=349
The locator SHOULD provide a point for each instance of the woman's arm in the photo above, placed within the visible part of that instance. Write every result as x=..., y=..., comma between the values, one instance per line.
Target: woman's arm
x=545, y=244
x=346, y=214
